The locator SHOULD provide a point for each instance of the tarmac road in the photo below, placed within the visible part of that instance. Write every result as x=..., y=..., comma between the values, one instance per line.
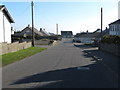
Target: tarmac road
x=61, y=66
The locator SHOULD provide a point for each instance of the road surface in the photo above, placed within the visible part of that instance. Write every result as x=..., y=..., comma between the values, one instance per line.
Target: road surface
x=61, y=66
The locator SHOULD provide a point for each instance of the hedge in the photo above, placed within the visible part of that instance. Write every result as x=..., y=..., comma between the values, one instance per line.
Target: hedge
x=111, y=39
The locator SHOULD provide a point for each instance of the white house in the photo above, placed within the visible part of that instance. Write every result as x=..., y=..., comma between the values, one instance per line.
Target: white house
x=119, y=9
x=5, y=25
x=86, y=37
x=114, y=28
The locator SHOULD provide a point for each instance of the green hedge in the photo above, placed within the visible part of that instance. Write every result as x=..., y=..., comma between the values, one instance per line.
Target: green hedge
x=111, y=39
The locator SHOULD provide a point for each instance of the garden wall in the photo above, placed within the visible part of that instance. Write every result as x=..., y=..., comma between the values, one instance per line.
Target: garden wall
x=111, y=48
x=13, y=47
x=42, y=42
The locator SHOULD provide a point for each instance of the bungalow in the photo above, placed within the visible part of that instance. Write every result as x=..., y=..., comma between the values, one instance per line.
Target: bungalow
x=66, y=34
x=5, y=25
x=44, y=32
x=86, y=37
x=27, y=31
x=115, y=27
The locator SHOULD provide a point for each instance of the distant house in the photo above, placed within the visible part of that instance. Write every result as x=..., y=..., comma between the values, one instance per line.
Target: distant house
x=66, y=34
x=27, y=31
x=5, y=25
x=87, y=37
x=51, y=34
x=114, y=27
x=104, y=32
x=44, y=32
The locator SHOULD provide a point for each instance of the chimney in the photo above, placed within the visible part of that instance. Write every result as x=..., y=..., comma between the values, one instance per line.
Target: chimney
x=40, y=29
x=106, y=28
x=87, y=31
x=28, y=25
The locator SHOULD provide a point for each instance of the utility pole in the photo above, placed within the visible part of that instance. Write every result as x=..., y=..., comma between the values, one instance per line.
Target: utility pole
x=57, y=29
x=101, y=28
x=101, y=21
x=33, y=38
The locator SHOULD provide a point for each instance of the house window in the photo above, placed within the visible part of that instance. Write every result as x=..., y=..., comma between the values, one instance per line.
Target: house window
x=112, y=27
x=117, y=27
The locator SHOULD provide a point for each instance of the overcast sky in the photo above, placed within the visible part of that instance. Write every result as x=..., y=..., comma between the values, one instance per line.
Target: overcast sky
x=70, y=16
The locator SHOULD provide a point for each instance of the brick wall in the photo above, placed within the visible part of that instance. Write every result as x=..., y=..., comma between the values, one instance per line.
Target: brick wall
x=13, y=47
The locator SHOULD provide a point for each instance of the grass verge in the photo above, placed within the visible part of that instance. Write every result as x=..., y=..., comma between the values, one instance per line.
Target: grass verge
x=15, y=56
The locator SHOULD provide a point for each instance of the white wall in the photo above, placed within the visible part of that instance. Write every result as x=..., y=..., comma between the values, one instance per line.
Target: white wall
x=119, y=10
x=7, y=29
x=84, y=40
x=114, y=29
x=1, y=27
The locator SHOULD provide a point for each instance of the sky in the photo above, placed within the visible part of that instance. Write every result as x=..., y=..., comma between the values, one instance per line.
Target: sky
x=70, y=16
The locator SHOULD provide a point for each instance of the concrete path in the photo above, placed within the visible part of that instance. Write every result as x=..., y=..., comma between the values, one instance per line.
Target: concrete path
x=62, y=66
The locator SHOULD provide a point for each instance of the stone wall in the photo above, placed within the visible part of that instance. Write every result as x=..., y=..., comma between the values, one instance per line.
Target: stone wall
x=13, y=47
x=42, y=42
x=111, y=48
x=55, y=43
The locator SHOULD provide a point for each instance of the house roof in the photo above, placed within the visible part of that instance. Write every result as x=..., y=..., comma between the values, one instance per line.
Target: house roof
x=35, y=30
x=7, y=14
x=98, y=30
x=115, y=22
x=66, y=32
x=44, y=33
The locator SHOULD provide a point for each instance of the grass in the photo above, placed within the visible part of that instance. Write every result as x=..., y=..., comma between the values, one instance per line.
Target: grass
x=15, y=56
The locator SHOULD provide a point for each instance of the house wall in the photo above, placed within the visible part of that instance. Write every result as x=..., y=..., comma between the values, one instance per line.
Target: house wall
x=114, y=29
x=1, y=27
x=84, y=40
x=119, y=10
x=5, y=35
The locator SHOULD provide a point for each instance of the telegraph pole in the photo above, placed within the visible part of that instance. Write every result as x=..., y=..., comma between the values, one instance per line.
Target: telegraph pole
x=33, y=38
x=101, y=28
x=57, y=29
x=101, y=21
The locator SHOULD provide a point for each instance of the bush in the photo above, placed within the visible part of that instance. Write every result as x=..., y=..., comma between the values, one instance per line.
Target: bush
x=111, y=39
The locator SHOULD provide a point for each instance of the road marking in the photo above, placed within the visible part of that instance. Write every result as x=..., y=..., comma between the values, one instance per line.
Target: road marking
x=83, y=68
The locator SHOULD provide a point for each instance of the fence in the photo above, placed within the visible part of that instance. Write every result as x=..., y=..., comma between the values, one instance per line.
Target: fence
x=13, y=47
x=111, y=48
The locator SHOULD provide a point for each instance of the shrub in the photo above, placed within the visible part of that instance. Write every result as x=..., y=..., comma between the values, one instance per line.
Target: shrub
x=111, y=39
